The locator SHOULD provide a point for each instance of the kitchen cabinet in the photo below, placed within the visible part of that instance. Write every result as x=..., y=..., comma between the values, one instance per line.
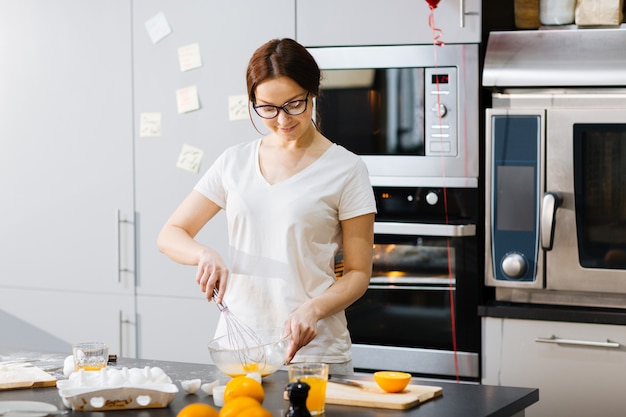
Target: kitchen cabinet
x=174, y=319
x=581, y=376
x=393, y=22
x=53, y=319
x=66, y=170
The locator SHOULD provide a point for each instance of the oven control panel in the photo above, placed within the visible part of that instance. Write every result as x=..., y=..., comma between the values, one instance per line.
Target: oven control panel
x=440, y=111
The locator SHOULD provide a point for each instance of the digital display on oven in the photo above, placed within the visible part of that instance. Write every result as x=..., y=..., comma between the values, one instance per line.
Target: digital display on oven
x=515, y=196
x=440, y=78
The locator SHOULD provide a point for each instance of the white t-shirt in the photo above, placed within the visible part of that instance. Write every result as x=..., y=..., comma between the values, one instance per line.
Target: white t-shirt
x=283, y=238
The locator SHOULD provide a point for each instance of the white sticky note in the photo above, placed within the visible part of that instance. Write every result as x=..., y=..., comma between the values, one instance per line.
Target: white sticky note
x=187, y=99
x=149, y=124
x=189, y=57
x=238, y=107
x=190, y=158
x=157, y=27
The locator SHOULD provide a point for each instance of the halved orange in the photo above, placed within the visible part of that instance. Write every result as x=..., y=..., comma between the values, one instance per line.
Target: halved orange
x=391, y=381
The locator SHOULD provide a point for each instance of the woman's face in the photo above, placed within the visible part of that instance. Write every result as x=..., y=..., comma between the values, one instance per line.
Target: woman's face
x=277, y=92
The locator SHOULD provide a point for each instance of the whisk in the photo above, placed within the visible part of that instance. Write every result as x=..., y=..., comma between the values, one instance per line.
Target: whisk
x=242, y=338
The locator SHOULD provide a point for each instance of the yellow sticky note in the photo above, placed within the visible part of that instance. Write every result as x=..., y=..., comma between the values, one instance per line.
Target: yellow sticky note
x=190, y=158
x=189, y=57
x=187, y=99
x=150, y=124
x=238, y=107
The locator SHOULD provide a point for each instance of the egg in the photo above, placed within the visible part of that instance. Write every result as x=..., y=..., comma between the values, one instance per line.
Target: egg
x=115, y=378
x=256, y=376
x=208, y=388
x=136, y=376
x=68, y=366
x=191, y=386
x=156, y=373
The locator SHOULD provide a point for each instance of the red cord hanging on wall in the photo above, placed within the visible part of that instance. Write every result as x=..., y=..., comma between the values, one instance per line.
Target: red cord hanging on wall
x=431, y=23
x=438, y=42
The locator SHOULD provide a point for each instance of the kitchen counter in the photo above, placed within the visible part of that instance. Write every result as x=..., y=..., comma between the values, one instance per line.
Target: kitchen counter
x=573, y=314
x=458, y=399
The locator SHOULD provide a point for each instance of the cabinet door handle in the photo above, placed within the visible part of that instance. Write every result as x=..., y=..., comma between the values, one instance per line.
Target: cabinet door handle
x=463, y=13
x=118, y=222
x=560, y=341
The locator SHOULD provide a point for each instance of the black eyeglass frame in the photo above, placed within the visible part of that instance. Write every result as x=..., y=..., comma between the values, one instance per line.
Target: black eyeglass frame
x=283, y=107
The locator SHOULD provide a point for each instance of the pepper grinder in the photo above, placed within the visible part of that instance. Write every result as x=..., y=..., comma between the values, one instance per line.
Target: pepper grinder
x=298, y=392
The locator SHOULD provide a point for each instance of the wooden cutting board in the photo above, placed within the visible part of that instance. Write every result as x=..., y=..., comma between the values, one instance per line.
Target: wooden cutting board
x=372, y=396
x=25, y=377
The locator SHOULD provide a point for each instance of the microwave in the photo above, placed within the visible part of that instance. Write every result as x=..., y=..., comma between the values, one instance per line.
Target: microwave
x=410, y=111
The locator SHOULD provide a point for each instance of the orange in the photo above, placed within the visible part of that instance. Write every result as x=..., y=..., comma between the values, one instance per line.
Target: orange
x=235, y=406
x=243, y=386
x=198, y=410
x=392, y=381
x=255, y=412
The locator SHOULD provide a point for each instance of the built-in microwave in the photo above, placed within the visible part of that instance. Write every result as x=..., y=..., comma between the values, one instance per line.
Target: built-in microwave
x=408, y=110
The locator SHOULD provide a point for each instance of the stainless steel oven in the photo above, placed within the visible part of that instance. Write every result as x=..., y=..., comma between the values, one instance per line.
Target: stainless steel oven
x=419, y=313
x=556, y=167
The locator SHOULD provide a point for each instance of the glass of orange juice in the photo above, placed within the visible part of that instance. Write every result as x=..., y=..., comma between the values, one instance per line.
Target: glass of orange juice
x=90, y=356
x=316, y=376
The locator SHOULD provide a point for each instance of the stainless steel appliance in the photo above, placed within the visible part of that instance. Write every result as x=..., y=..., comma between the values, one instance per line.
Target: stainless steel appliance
x=556, y=167
x=419, y=313
x=409, y=110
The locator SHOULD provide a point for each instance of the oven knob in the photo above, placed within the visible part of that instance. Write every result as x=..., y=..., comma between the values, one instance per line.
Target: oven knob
x=514, y=265
x=432, y=198
x=440, y=110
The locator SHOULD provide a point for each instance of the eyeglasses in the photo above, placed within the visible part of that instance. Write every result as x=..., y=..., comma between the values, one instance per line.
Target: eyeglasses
x=292, y=108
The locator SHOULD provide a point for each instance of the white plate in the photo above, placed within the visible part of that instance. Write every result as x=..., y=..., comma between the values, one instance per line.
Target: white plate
x=40, y=409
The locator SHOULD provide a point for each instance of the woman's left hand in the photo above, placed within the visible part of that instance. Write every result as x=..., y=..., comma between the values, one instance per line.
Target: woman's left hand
x=302, y=325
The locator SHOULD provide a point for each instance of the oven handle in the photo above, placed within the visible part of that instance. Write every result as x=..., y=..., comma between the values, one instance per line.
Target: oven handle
x=550, y=202
x=425, y=229
x=411, y=283
x=408, y=287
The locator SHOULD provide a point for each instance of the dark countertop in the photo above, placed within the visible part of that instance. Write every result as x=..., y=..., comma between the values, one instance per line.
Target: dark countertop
x=458, y=399
x=528, y=311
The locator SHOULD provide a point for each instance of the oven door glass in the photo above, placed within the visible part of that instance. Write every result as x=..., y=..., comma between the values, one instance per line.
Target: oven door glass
x=374, y=111
x=600, y=177
x=408, y=301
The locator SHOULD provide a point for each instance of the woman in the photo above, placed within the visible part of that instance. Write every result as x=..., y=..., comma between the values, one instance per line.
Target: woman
x=293, y=201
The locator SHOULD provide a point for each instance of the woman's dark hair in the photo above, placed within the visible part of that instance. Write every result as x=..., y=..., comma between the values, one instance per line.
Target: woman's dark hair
x=282, y=58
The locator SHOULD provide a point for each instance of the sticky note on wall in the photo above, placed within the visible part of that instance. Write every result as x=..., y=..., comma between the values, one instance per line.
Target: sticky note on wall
x=189, y=57
x=187, y=99
x=149, y=124
x=238, y=107
x=157, y=27
x=190, y=158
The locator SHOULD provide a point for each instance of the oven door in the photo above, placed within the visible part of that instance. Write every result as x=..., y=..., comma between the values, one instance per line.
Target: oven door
x=589, y=226
x=408, y=300
x=404, y=321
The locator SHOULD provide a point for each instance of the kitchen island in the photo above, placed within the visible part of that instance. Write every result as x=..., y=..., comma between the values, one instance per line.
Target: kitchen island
x=458, y=399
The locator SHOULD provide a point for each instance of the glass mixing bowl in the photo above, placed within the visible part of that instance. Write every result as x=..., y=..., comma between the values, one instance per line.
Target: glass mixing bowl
x=264, y=358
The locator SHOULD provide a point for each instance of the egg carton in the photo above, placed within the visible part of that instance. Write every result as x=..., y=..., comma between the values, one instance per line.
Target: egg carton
x=114, y=389
x=117, y=398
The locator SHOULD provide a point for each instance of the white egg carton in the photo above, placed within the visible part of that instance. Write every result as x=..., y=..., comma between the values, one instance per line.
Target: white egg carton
x=113, y=389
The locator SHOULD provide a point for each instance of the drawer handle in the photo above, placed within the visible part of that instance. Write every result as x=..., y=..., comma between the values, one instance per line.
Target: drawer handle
x=558, y=340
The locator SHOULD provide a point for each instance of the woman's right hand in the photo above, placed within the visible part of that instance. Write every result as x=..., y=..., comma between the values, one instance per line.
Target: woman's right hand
x=212, y=273
x=176, y=240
